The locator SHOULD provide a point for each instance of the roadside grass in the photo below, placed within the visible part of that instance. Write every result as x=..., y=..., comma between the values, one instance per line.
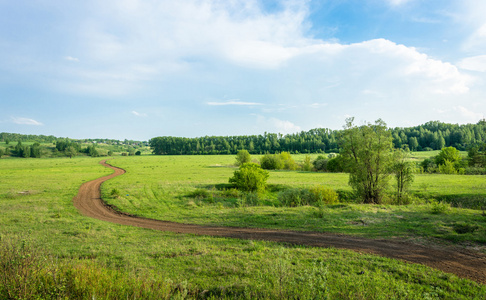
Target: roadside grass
x=59, y=253
x=194, y=189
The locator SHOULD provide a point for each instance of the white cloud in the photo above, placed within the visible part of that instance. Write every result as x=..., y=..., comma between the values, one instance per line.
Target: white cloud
x=475, y=63
x=135, y=113
x=469, y=115
x=233, y=102
x=25, y=121
x=471, y=16
x=318, y=105
x=397, y=2
x=70, y=58
x=276, y=125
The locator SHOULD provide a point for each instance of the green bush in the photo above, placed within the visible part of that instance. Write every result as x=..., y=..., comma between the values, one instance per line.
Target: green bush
x=250, y=177
x=447, y=167
x=437, y=207
x=323, y=195
x=316, y=196
x=295, y=197
x=243, y=157
x=306, y=164
x=271, y=162
x=320, y=163
x=287, y=161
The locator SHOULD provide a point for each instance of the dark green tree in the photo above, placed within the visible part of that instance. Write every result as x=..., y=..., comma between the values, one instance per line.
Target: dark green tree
x=70, y=151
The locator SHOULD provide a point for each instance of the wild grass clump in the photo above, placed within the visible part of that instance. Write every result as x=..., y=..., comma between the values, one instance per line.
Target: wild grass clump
x=463, y=227
x=199, y=194
x=324, y=195
x=115, y=193
x=26, y=272
x=314, y=196
x=439, y=207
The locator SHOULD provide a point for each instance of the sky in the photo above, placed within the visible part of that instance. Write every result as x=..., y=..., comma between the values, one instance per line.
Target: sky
x=137, y=69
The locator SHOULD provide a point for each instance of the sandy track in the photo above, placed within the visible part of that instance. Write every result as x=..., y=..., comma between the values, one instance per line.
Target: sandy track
x=465, y=264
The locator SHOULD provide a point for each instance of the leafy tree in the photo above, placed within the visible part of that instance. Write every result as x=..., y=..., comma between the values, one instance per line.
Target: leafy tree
x=287, y=161
x=306, y=164
x=335, y=164
x=26, y=152
x=243, y=157
x=448, y=153
x=2, y=152
x=271, y=162
x=91, y=151
x=320, y=163
x=428, y=165
x=447, y=167
x=250, y=177
x=403, y=169
x=367, y=153
x=476, y=156
x=70, y=151
x=19, y=149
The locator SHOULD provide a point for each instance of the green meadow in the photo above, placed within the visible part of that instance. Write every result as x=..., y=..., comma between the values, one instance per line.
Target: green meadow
x=58, y=253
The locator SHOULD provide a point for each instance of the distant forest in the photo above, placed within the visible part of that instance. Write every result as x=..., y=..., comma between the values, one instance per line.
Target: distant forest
x=432, y=135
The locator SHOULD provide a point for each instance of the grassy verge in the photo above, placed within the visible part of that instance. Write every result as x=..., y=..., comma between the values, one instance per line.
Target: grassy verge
x=57, y=253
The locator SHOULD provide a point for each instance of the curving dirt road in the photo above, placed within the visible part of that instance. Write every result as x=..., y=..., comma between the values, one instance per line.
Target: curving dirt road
x=465, y=264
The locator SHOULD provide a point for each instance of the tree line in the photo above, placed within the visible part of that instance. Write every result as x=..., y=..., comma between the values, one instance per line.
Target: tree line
x=432, y=135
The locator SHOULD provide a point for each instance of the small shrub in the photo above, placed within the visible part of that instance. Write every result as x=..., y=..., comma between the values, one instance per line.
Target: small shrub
x=243, y=157
x=463, y=228
x=447, y=167
x=250, y=177
x=271, y=162
x=323, y=195
x=475, y=171
x=199, y=194
x=115, y=193
x=252, y=199
x=346, y=196
x=307, y=164
x=295, y=197
x=287, y=161
x=320, y=163
x=437, y=207
x=231, y=193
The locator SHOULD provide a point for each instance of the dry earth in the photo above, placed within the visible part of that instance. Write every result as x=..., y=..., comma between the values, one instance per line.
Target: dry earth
x=463, y=263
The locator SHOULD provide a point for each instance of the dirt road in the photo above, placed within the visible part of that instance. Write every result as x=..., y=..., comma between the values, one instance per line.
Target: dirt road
x=465, y=264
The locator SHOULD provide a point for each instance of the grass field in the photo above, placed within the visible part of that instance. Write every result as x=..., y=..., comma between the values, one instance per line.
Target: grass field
x=85, y=258
x=160, y=187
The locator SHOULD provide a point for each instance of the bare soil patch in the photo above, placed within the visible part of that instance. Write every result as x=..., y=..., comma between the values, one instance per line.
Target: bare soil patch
x=463, y=263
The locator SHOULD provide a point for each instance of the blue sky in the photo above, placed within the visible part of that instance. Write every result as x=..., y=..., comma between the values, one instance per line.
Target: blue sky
x=139, y=69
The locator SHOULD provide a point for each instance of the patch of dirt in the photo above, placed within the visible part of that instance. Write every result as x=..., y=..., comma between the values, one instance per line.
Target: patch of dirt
x=463, y=263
